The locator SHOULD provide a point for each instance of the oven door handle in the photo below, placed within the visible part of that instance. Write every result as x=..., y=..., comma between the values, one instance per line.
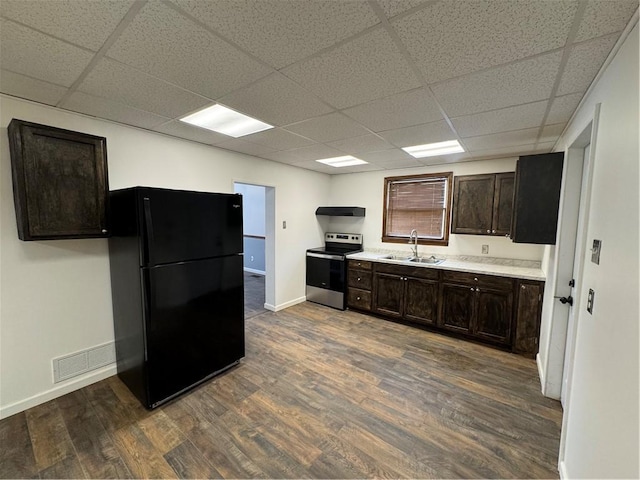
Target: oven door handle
x=324, y=255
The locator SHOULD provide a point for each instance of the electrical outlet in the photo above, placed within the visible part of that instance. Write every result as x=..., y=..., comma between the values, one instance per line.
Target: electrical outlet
x=595, y=251
x=252, y=258
x=485, y=249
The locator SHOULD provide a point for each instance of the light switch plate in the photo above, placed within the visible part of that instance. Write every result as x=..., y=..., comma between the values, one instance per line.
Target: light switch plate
x=595, y=251
x=485, y=249
x=590, y=298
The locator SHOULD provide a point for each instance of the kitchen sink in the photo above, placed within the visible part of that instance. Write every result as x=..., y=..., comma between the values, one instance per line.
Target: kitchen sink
x=429, y=260
x=401, y=258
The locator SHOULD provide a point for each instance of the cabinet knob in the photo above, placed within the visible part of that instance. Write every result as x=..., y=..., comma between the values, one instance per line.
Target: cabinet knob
x=472, y=289
x=358, y=278
x=104, y=230
x=475, y=278
x=493, y=231
x=477, y=289
x=359, y=264
x=488, y=231
x=523, y=287
x=357, y=298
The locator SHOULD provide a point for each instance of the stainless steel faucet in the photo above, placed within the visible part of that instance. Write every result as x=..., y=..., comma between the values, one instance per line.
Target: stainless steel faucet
x=414, y=235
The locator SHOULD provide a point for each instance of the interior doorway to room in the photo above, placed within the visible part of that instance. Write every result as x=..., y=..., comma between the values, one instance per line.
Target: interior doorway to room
x=255, y=201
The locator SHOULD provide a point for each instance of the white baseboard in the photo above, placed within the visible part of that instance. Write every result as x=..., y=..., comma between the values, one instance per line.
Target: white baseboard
x=58, y=391
x=257, y=272
x=282, y=306
x=562, y=469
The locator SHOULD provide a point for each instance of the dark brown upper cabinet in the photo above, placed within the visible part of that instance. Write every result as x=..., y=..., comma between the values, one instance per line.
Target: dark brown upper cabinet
x=60, y=183
x=537, y=198
x=482, y=204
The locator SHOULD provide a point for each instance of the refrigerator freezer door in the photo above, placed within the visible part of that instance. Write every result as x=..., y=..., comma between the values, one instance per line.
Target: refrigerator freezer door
x=181, y=226
x=194, y=322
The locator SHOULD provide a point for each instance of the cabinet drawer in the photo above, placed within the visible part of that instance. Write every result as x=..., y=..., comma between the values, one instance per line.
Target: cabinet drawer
x=408, y=271
x=361, y=264
x=359, y=279
x=490, y=281
x=360, y=299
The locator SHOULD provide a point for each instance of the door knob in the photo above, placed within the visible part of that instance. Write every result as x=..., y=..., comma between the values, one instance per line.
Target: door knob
x=565, y=300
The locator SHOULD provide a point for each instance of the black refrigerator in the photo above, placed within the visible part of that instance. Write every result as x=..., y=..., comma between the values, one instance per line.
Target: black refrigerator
x=177, y=285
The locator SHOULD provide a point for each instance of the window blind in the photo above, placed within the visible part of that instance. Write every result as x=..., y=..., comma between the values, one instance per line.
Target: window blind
x=419, y=204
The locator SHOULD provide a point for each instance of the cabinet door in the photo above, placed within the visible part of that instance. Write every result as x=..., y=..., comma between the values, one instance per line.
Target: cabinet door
x=457, y=307
x=528, y=311
x=388, y=294
x=60, y=182
x=473, y=204
x=537, y=198
x=494, y=315
x=503, y=203
x=421, y=301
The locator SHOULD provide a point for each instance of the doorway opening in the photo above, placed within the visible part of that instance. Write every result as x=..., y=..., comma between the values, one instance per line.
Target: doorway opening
x=258, y=208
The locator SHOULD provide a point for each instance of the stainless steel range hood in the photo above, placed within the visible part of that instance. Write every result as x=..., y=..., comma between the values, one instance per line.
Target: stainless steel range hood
x=341, y=211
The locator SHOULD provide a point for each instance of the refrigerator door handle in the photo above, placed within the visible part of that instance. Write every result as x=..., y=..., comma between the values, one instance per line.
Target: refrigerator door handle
x=149, y=226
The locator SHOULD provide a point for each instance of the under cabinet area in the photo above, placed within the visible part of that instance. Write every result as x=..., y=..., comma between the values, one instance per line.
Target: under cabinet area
x=500, y=311
x=482, y=204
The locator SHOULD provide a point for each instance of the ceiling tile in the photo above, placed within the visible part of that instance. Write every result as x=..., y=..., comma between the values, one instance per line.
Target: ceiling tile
x=515, y=151
x=327, y=128
x=242, y=146
x=505, y=119
x=397, y=111
x=368, y=167
x=400, y=163
x=563, y=107
x=123, y=84
x=30, y=88
x=312, y=152
x=165, y=44
x=278, y=139
x=583, y=64
x=117, y=112
x=551, y=133
x=276, y=100
x=395, y=7
x=40, y=56
x=453, y=38
x=180, y=129
x=602, y=17
x=311, y=165
x=419, y=135
x=443, y=159
x=356, y=145
x=521, y=82
x=281, y=32
x=364, y=69
x=84, y=23
x=386, y=156
x=497, y=140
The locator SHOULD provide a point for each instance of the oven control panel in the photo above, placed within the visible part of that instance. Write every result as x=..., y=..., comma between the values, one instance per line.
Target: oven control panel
x=352, y=238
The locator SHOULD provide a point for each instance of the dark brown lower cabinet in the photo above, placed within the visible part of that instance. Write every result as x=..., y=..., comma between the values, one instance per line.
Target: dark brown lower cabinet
x=478, y=305
x=409, y=293
x=500, y=311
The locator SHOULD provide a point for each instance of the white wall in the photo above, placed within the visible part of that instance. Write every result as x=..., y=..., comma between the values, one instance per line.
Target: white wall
x=56, y=295
x=367, y=190
x=253, y=201
x=601, y=422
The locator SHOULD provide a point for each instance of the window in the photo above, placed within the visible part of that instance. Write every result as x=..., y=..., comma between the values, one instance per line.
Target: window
x=420, y=202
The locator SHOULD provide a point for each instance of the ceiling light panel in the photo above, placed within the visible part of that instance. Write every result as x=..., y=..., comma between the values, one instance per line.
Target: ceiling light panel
x=434, y=149
x=224, y=120
x=344, y=161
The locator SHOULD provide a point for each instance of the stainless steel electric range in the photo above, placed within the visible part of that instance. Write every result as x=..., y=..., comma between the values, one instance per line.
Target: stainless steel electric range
x=327, y=269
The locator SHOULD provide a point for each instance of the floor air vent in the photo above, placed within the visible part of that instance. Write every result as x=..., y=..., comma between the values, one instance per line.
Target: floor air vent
x=78, y=363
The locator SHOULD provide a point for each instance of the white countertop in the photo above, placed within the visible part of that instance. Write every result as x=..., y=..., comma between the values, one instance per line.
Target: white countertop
x=461, y=266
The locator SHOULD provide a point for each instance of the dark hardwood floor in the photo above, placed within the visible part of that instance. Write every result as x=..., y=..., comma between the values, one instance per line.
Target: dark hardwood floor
x=321, y=393
x=253, y=294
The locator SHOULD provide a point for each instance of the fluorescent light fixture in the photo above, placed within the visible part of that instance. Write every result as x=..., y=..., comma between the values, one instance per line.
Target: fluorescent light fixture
x=224, y=120
x=345, y=161
x=434, y=149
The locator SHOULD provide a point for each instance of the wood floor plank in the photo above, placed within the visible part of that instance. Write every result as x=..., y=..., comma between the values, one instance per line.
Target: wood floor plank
x=49, y=436
x=141, y=457
x=188, y=462
x=161, y=431
x=96, y=452
x=17, y=459
x=68, y=467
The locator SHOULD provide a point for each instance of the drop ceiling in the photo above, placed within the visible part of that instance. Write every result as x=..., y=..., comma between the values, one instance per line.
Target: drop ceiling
x=335, y=77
